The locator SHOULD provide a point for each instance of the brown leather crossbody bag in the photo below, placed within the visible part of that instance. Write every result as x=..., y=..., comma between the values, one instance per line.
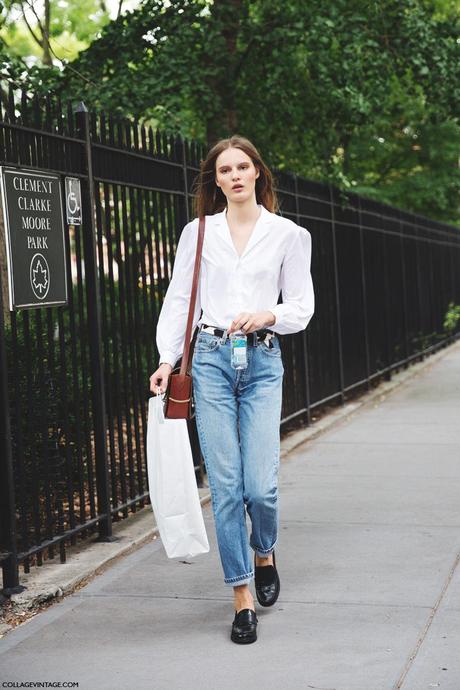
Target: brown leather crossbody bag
x=178, y=402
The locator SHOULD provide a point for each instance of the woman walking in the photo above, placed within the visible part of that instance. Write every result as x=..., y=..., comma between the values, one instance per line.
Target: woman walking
x=249, y=254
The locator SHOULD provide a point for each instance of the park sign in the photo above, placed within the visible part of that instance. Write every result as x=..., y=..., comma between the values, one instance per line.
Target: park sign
x=34, y=235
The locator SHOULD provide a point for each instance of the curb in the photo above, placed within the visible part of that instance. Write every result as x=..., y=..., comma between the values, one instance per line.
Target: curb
x=85, y=561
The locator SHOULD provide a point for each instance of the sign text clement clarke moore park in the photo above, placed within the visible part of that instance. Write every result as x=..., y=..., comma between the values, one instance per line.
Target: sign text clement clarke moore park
x=34, y=235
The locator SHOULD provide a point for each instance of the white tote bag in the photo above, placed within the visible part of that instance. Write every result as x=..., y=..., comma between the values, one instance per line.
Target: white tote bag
x=173, y=489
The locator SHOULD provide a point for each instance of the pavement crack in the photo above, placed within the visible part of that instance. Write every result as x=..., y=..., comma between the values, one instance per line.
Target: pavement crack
x=305, y=602
x=424, y=633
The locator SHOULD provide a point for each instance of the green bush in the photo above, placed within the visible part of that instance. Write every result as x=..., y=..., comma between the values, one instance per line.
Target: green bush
x=451, y=318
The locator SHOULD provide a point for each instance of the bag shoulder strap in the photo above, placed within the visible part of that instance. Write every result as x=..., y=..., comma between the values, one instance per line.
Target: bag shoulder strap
x=188, y=331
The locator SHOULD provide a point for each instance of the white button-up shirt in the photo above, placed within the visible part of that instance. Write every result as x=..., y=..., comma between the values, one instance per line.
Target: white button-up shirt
x=277, y=257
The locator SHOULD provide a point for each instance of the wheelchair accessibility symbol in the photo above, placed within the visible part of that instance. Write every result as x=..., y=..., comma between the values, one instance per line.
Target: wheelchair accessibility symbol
x=39, y=276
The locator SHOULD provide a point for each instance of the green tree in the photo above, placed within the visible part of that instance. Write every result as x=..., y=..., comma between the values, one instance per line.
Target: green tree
x=60, y=31
x=362, y=94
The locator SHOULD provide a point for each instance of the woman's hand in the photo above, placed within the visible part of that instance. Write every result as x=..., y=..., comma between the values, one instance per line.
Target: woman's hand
x=160, y=377
x=248, y=322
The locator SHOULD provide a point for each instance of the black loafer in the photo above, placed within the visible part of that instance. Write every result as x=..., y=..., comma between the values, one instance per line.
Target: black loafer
x=244, y=628
x=267, y=583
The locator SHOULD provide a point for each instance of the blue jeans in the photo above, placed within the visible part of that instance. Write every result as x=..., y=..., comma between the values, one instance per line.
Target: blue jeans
x=238, y=414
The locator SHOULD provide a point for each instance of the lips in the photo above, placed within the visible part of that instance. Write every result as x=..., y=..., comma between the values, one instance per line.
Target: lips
x=237, y=186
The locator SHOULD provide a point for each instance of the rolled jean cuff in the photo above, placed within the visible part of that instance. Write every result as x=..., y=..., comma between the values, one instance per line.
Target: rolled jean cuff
x=239, y=580
x=264, y=553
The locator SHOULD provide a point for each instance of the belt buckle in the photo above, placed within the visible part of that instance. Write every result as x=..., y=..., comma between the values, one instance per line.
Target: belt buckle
x=212, y=331
x=208, y=329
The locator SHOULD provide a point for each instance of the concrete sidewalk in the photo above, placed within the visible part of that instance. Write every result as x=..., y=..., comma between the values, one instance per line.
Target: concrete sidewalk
x=368, y=557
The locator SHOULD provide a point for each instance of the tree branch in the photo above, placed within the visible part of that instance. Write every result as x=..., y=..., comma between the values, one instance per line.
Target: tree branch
x=31, y=5
x=36, y=38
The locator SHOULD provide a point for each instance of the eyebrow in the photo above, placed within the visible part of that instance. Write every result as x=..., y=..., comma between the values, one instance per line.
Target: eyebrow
x=226, y=165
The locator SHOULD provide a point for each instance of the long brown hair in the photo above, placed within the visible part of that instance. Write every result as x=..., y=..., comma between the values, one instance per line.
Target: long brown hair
x=209, y=198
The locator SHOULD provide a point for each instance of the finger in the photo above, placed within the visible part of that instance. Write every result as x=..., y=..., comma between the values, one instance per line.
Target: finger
x=233, y=325
x=157, y=382
x=246, y=323
x=240, y=321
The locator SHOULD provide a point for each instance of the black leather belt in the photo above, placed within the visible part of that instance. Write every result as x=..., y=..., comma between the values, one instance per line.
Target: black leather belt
x=253, y=338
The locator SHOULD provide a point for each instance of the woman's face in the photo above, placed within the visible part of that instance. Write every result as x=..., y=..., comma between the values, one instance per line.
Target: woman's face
x=236, y=174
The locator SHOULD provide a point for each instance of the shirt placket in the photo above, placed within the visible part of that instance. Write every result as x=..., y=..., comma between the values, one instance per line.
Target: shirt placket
x=235, y=293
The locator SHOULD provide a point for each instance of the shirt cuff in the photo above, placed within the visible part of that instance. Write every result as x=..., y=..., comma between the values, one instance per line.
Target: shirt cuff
x=168, y=358
x=278, y=311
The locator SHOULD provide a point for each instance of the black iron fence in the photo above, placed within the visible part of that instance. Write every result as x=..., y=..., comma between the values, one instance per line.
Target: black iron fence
x=74, y=380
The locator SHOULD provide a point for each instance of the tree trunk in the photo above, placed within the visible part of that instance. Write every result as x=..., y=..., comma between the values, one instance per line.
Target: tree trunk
x=47, y=59
x=229, y=14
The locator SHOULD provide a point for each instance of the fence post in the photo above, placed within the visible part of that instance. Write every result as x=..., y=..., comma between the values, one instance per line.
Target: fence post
x=304, y=332
x=337, y=299
x=184, y=166
x=8, y=545
x=404, y=296
x=363, y=287
x=419, y=291
x=386, y=315
x=197, y=455
x=95, y=331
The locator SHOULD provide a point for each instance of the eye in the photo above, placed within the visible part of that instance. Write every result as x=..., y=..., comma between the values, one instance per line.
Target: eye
x=242, y=165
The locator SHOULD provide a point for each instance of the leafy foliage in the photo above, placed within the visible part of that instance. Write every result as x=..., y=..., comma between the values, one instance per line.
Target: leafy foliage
x=363, y=94
x=452, y=317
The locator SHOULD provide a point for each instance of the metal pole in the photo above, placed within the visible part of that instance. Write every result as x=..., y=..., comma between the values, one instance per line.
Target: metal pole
x=404, y=296
x=419, y=291
x=386, y=316
x=198, y=459
x=8, y=546
x=184, y=165
x=363, y=287
x=337, y=299
x=95, y=332
x=304, y=332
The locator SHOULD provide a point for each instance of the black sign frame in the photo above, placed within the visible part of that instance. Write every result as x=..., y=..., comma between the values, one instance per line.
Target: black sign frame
x=20, y=296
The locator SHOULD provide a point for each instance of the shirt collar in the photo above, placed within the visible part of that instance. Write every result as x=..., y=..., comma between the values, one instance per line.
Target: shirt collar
x=265, y=216
x=262, y=228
